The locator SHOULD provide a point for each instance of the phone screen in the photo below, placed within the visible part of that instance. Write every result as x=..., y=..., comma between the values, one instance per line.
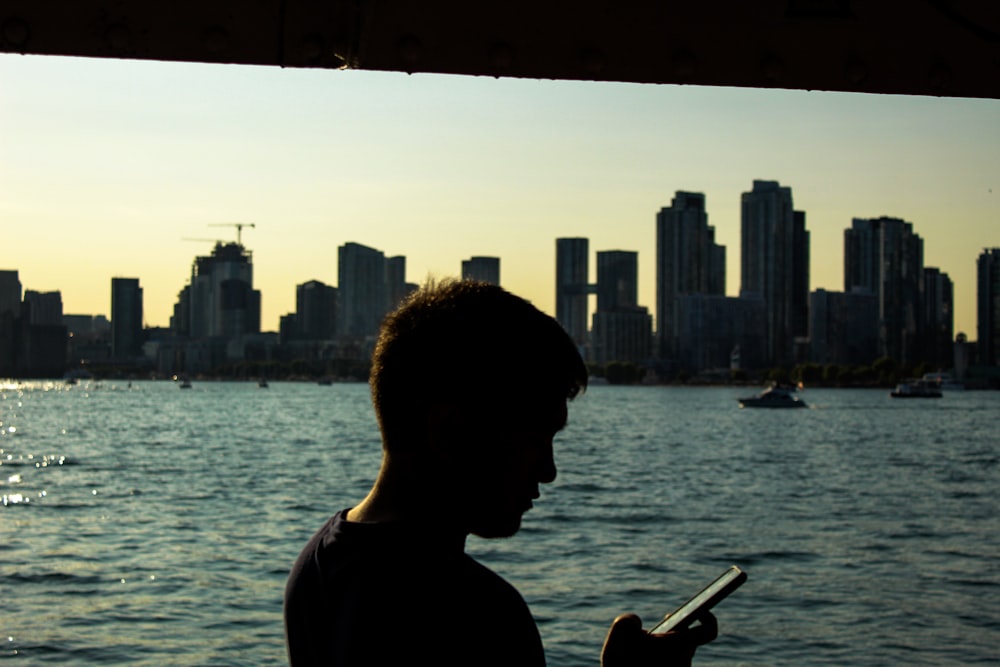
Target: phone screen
x=716, y=591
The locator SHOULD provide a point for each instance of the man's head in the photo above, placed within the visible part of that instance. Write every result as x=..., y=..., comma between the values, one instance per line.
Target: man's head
x=474, y=380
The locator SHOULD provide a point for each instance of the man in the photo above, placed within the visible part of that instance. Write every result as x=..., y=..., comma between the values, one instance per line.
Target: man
x=469, y=385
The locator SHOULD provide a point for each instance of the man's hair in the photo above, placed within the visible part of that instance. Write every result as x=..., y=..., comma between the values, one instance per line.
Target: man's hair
x=468, y=342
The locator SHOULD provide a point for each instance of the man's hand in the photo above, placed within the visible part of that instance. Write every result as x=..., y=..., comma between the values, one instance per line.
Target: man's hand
x=628, y=645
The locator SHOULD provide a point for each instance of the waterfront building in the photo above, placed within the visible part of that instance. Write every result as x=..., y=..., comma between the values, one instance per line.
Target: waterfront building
x=710, y=327
x=622, y=329
x=800, y=276
x=485, y=269
x=219, y=300
x=622, y=335
x=843, y=327
x=937, y=310
x=10, y=293
x=33, y=339
x=988, y=307
x=361, y=281
x=572, y=287
x=688, y=261
x=126, y=319
x=617, y=280
x=213, y=312
x=885, y=256
x=315, y=312
x=775, y=265
x=89, y=339
x=369, y=285
x=396, y=286
x=42, y=308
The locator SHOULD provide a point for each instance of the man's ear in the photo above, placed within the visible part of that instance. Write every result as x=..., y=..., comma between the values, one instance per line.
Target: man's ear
x=442, y=433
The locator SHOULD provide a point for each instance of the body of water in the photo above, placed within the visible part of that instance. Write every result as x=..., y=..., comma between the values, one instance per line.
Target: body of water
x=144, y=525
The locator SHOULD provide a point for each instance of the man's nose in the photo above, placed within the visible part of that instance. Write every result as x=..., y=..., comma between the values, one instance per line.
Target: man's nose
x=546, y=468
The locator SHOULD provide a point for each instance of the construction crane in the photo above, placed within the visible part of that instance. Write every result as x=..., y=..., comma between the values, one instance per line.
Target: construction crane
x=238, y=225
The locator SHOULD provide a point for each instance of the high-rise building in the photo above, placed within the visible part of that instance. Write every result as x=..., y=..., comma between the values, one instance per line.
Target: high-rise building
x=843, y=327
x=800, y=276
x=126, y=318
x=937, y=328
x=10, y=311
x=220, y=300
x=688, y=261
x=396, y=287
x=485, y=269
x=622, y=335
x=362, y=299
x=315, y=311
x=10, y=293
x=43, y=307
x=712, y=328
x=617, y=280
x=885, y=256
x=774, y=265
x=572, y=280
x=988, y=307
x=622, y=330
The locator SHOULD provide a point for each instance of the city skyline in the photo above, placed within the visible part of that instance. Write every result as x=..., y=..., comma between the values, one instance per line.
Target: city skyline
x=113, y=163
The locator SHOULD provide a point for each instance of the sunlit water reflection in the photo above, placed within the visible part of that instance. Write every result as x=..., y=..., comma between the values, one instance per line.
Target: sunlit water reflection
x=143, y=525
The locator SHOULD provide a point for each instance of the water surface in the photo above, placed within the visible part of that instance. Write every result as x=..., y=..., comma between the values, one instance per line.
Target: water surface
x=144, y=525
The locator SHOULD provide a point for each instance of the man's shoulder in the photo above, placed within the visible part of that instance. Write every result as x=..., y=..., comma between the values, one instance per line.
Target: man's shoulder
x=355, y=584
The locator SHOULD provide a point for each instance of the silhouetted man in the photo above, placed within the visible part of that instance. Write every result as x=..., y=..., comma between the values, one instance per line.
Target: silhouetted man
x=470, y=385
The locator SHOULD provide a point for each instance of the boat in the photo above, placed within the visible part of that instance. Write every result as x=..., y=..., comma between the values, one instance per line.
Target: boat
x=262, y=383
x=185, y=383
x=775, y=396
x=916, y=389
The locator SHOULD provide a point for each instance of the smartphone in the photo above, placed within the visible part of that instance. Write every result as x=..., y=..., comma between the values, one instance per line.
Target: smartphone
x=709, y=596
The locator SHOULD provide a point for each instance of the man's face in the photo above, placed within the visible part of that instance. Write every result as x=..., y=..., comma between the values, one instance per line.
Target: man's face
x=504, y=455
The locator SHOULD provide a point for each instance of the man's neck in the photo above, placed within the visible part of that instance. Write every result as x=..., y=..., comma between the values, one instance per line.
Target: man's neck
x=400, y=493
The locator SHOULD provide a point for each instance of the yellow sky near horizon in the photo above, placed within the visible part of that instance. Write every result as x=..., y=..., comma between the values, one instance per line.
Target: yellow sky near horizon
x=107, y=166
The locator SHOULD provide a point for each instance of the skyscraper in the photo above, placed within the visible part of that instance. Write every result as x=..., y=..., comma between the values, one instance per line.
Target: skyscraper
x=885, y=256
x=617, y=280
x=622, y=330
x=396, y=287
x=363, y=298
x=220, y=300
x=486, y=269
x=843, y=327
x=43, y=307
x=938, y=325
x=10, y=293
x=800, y=276
x=774, y=253
x=315, y=311
x=572, y=275
x=126, y=318
x=988, y=307
x=10, y=311
x=688, y=261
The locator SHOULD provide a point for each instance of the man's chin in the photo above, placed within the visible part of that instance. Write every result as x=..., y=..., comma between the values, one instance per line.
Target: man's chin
x=496, y=528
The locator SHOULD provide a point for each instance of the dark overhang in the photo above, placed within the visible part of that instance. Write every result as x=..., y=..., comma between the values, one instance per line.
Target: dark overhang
x=918, y=47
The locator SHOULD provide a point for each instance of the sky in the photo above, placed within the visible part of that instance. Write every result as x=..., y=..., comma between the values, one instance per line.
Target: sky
x=108, y=168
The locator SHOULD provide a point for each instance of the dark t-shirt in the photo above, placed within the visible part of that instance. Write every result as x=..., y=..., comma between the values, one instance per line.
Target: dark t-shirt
x=402, y=593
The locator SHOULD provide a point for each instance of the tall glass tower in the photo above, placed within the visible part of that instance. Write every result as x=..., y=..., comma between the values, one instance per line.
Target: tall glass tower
x=126, y=318
x=572, y=273
x=688, y=261
x=988, y=307
x=775, y=264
